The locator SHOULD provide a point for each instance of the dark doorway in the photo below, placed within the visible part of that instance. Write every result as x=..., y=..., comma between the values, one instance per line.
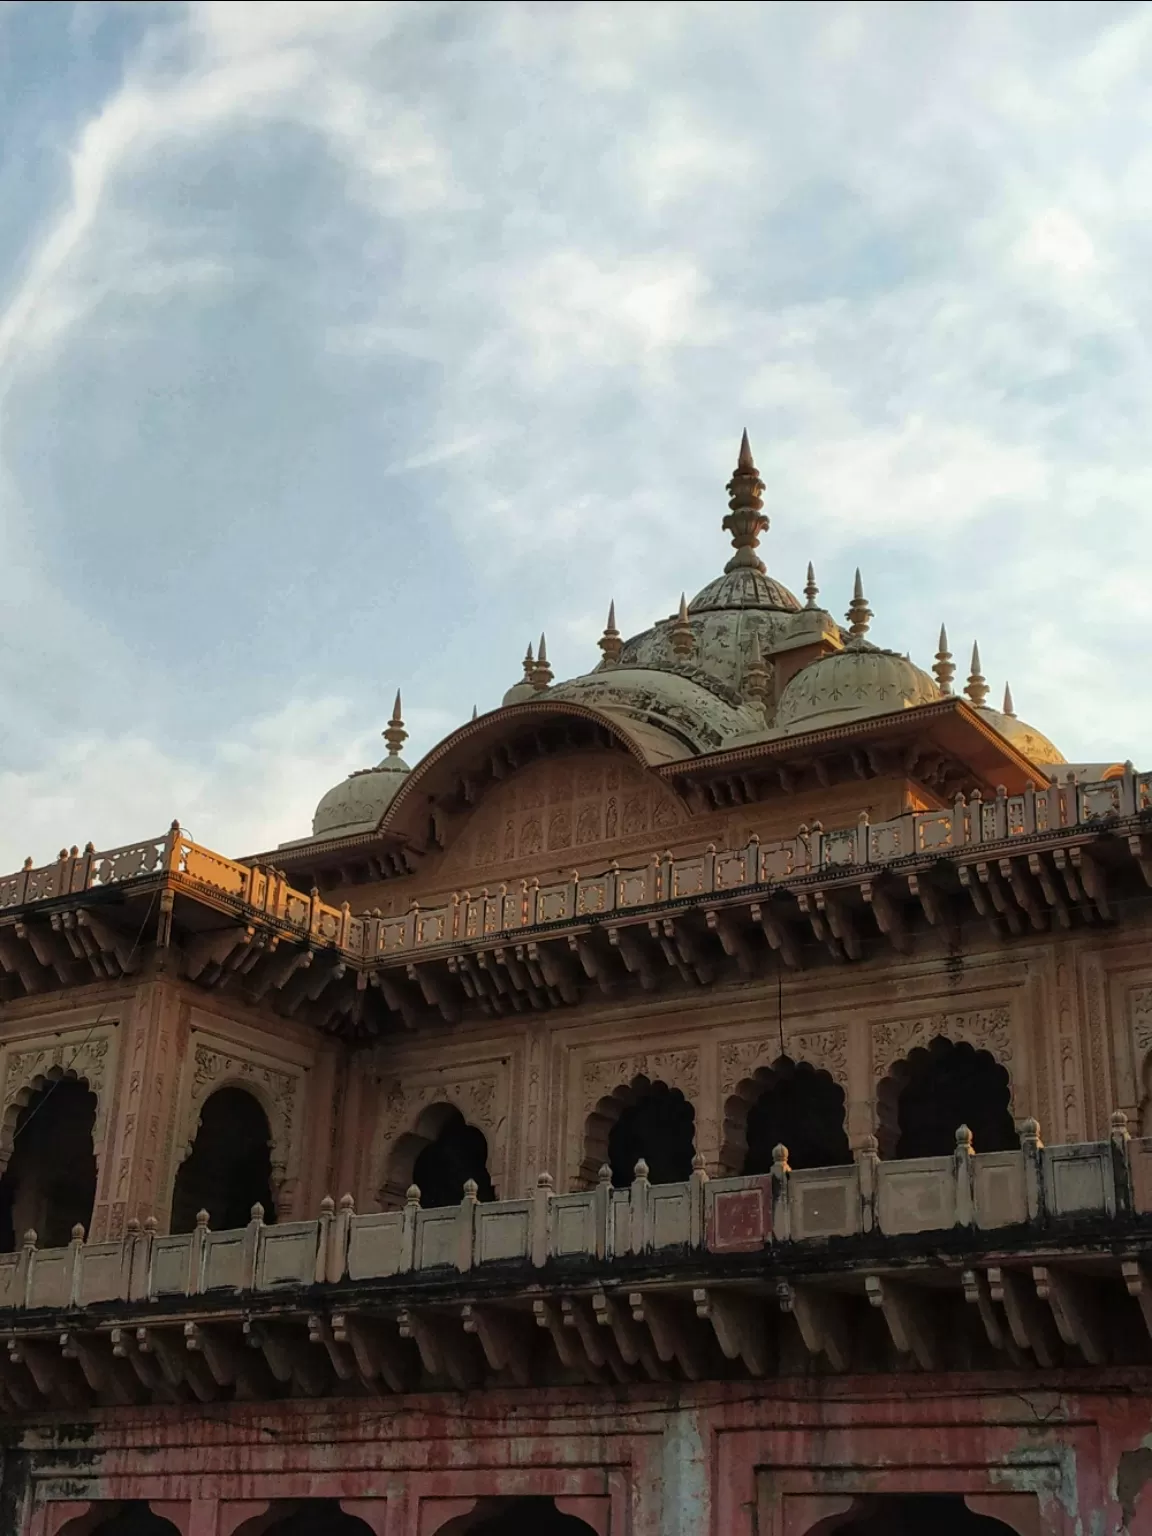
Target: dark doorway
x=457, y=1153
x=530, y=1517
x=660, y=1127
x=135, y=1519
x=320, y=1517
x=948, y=1085
x=50, y=1182
x=922, y=1514
x=803, y=1109
x=229, y=1169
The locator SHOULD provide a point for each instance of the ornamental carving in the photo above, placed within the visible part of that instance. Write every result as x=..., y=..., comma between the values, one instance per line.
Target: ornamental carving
x=553, y=806
x=26, y=1070
x=987, y=1029
x=476, y=1098
x=824, y=1049
x=276, y=1091
x=1140, y=1012
x=678, y=1069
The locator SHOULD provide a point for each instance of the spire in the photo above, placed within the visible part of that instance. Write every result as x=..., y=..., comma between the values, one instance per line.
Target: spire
x=395, y=734
x=756, y=675
x=475, y=712
x=610, y=642
x=976, y=687
x=859, y=614
x=944, y=669
x=529, y=663
x=811, y=590
x=745, y=520
x=1009, y=706
x=683, y=640
x=541, y=674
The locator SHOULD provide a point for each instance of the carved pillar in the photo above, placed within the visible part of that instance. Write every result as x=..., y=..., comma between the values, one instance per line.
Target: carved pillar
x=709, y=1109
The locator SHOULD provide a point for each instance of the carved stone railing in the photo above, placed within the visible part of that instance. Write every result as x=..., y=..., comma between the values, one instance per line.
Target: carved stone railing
x=968, y=825
x=1035, y=1187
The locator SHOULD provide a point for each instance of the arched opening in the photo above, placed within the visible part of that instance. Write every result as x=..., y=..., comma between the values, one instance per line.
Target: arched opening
x=516, y=1517
x=789, y=1103
x=319, y=1517
x=941, y=1087
x=229, y=1169
x=50, y=1183
x=658, y=1126
x=134, y=1519
x=917, y=1514
x=450, y=1153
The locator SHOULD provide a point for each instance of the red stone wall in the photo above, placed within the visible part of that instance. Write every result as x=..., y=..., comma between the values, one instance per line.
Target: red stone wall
x=1072, y=1457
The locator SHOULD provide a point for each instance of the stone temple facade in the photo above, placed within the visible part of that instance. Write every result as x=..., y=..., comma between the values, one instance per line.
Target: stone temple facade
x=708, y=1096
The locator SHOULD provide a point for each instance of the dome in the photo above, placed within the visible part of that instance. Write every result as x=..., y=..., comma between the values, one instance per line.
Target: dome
x=519, y=693
x=745, y=587
x=359, y=801
x=850, y=685
x=678, y=703
x=1025, y=738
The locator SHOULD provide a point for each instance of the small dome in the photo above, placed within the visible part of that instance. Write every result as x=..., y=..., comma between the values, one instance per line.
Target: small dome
x=850, y=685
x=520, y=693
x=358, y=803
x=745, y=587
x=1024, y=738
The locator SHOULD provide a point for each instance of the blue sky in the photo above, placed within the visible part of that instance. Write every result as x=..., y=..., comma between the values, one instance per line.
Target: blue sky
x=346, y=347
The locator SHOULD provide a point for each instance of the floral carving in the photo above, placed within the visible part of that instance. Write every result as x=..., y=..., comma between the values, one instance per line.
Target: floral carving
x=825, y=1049
x=1140, y=1012
x=988, y=1029
x=679, y=1069
x=476, y=1098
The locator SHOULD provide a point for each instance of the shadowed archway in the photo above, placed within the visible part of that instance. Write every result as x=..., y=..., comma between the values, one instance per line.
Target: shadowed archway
x=526, y=1516
x=790, y=1103
x=939, y=1087
x=439, y=1154
x=640, y=1119
x=915, y=1514
x=49, y=1185
x=229, y=1169
x=319, y=1517
x=132, y=1519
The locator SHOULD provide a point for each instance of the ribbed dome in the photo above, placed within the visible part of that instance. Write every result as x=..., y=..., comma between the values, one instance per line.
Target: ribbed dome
x=850, y=685
x=744, y=587
x=1025, y=738
x=358, y=803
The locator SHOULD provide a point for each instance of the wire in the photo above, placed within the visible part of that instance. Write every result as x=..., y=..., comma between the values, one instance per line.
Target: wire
x=65, y=1069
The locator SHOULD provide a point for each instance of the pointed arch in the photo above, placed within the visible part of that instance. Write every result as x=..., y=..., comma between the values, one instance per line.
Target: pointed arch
x=228, y=1168
x=645, y=1118
x=518, y=1516
x=438, y=1154
x=787, y=1102
x=936, y=1088
x=49, y=1181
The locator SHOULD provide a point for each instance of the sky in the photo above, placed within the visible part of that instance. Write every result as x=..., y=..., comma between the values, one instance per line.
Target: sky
x=346, y=347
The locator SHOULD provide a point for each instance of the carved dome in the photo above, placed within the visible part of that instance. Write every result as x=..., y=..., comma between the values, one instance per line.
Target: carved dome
x=1025, y=738
x=359, y=801
x=850, y=685
x=677, y=702
x=745, y=587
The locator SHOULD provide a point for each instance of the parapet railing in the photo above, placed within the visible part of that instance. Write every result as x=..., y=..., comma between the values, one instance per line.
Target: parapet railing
x=662, y=878
x=787, y=1210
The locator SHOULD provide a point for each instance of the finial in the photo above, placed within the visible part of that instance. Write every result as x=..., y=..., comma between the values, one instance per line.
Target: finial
x=541, y=674
x=475, y=712
x=610, y=642
x=811, y=590
x=683, y=640
x=976, y=687
x=756, y=676
x=1009, y=706
x=859, y=614
x=395, y=734
x=745, y=520
x=944, y=670
x=529, y=663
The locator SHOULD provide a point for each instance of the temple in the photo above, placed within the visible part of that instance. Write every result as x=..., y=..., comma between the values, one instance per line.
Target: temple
x=710, y=1095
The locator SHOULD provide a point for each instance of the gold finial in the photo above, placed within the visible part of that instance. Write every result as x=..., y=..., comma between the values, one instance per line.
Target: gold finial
x=610, y=642
x=683, y=640
x=976, y=687
x=859, y=614
x=811, y=590
x=745, y=520
x=541, y=674
x=756, y=678
x=944, y=670
x=1009, y=707
x=395, y=734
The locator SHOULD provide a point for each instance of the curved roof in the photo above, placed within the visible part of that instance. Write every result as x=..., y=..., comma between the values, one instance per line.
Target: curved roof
x=1025, y=738
x=852, y=683
x=359, y=801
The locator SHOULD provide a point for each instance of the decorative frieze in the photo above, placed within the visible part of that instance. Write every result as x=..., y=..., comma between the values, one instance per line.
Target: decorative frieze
x=825, y=1049
x=678, y=1069
x=987, y=1029
x=86, y=1056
